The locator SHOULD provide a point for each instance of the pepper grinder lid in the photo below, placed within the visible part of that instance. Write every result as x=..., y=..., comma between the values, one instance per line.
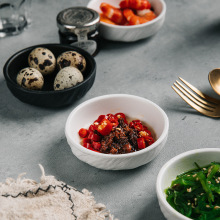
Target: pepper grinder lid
x=77, y=17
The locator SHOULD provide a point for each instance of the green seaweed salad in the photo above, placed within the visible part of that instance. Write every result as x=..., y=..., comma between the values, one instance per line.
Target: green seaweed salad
x=196, y=193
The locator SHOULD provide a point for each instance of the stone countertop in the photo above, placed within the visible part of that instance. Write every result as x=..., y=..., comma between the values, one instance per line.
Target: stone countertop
x=187, y=45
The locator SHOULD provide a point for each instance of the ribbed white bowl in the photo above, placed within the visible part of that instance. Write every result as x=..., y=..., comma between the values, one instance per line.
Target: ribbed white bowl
x=177, y=165
x=133, y=32
x=132, y=106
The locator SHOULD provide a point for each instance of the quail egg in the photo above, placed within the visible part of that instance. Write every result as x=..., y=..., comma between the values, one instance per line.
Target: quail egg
x=43, y=60
x=30, y=78
x=71, y=58
x=67, y=77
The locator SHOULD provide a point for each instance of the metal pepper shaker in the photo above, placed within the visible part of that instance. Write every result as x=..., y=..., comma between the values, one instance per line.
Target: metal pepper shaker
x=78, y=26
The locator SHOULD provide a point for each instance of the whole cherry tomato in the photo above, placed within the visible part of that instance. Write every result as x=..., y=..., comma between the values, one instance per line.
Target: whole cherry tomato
x=83, y=132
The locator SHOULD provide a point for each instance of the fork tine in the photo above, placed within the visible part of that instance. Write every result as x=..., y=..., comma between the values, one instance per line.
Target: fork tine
x=196, y=97
x=193, y=99
x=204, y=96
x=192, y=104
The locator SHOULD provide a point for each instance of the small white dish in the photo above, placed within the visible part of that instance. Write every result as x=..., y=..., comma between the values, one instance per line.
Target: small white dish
x=177, y=165
x=133, y=107
x=133, y=32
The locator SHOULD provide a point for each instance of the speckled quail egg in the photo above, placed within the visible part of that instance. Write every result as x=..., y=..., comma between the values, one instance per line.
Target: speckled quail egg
x=67, y=77
x=43, y=60
x=30, y=78
x=71, y=58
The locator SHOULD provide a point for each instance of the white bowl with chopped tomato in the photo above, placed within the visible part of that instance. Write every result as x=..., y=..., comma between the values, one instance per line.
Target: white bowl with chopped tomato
x=98, y=134
x=121, y=20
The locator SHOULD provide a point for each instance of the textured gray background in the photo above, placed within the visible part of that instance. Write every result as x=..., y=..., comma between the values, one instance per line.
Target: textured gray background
x=188, y=45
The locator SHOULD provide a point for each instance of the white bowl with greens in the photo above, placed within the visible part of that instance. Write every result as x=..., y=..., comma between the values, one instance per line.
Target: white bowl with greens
x=190, y=185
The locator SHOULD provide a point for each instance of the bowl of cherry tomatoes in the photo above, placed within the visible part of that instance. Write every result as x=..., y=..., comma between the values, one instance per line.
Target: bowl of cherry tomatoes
x=117, y=131
x=129, y=20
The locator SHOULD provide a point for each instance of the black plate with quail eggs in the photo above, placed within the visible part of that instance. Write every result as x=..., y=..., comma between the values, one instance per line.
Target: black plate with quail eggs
x=50, y=75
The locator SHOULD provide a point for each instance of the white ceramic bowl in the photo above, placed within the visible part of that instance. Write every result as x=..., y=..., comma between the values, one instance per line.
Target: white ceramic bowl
x=177, y=165
x=134, y=32
x=132, y=106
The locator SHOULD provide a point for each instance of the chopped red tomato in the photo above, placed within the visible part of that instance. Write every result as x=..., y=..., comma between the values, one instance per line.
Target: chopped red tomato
x=96, y=145
x=92, y=127
x=86, y=140
x=93, y=136
x=121, y=115
x=100, y=118
x=104, y=127
x=149, y=140
x=83, y=132
x=105, y=133
x=141, y=143
x=87, y=145
x=113, y=119
x=136, y=124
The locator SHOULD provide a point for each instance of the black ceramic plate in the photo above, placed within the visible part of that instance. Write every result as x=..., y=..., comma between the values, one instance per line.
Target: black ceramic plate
x=47, y=97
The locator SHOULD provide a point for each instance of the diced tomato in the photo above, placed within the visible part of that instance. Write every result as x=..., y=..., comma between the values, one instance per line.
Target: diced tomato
x=121, y=115
x=93, y=136
x=136, y=124
x=86, y=140
x=141, y=143
x=96, y=145
x=87, y=145
x=99, y=119
x=145, y=128
x=149, y=140
x=92, y=127
x=105, y=127
x=83, y=132
x=113, y=119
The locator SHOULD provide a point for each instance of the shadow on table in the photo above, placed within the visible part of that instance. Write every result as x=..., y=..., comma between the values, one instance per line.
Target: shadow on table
x=117, y=45
x=65, y=166
x=14, y=109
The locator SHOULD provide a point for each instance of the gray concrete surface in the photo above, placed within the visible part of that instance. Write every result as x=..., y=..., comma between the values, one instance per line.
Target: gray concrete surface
x=188, y=45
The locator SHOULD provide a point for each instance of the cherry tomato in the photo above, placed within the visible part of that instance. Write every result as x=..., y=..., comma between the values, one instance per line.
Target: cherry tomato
x=141, y=143
x=105, y=127
x=83, y=132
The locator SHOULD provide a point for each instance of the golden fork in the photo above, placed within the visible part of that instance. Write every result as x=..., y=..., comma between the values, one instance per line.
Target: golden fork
x=199, y=101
